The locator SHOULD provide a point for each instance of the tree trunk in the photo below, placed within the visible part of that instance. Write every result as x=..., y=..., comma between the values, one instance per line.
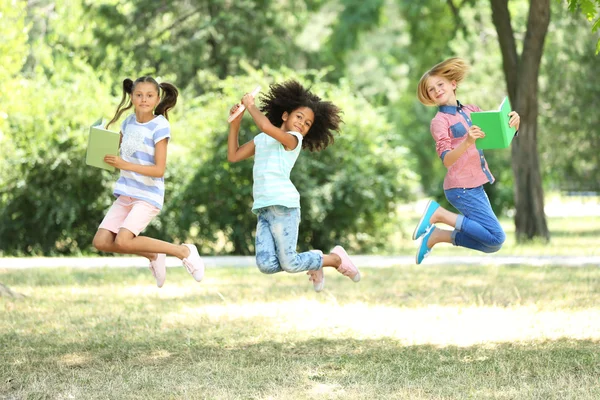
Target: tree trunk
x=522, y=85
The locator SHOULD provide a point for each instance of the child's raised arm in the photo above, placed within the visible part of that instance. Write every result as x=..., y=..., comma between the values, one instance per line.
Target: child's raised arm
x=288, y=141
x=235, y=152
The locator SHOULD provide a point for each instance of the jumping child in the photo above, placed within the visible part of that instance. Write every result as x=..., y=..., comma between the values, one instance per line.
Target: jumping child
x=140, y=188
x=293, y=119
x=476, y=227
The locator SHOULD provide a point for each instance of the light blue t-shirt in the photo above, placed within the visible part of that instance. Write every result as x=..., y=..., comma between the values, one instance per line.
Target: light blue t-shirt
x=137, y=147
x=272, y=168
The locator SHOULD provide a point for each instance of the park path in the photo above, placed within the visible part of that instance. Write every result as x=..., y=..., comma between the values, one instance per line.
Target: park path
x=248, y=261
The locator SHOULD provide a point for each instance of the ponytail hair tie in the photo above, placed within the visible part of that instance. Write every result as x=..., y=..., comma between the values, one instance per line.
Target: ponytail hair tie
x=128, y=85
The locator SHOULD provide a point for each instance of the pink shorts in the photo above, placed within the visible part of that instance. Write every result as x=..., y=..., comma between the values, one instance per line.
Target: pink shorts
x=129, y=213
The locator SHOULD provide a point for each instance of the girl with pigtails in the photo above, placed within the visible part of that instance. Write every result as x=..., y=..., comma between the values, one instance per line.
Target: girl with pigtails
x=139, y=191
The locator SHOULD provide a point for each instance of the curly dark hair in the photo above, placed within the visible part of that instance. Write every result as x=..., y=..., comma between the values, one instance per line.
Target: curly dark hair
x=291, y=95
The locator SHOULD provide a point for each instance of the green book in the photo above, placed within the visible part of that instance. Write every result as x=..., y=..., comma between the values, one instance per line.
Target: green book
x=100, y=143
x=494, y=124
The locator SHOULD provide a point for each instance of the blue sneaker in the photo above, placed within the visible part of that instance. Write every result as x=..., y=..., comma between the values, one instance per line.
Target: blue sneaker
x=424, y=224
x=423, y=251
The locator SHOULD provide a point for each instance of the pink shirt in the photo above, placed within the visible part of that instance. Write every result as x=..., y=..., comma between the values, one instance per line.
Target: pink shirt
x=449, y=129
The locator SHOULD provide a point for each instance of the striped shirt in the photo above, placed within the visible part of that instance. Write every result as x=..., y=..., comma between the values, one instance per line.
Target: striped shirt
x=137, y=147
x=272, y=168
x=449, y=129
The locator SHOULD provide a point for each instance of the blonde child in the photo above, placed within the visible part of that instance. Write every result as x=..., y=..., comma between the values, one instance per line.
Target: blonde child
x=476, y=227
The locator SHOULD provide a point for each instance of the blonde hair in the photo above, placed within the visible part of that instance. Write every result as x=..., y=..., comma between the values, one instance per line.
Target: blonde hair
x=453, y=69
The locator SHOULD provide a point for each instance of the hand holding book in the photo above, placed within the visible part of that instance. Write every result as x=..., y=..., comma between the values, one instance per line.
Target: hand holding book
x=515, y=120
x=114, y=161
x=474, y=133
x=499, y=126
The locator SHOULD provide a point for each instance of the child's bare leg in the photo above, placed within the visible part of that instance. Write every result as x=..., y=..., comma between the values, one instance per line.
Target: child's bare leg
x=439, y=236
x=331, y=260
x=444, y=216
x=104, y=240
x=128, y=243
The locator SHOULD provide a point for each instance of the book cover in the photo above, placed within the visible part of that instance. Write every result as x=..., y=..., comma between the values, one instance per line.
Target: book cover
x=498, y=135
x=101, y=142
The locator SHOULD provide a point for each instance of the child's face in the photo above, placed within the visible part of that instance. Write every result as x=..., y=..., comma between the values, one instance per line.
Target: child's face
x=441, y=90
x=145, y=97
x=300, y=120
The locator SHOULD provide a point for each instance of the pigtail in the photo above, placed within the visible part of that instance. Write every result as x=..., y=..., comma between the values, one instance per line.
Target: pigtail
x=125, y=99
x=168, y=100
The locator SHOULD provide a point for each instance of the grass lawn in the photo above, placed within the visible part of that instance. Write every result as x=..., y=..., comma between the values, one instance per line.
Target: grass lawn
x=430, y=332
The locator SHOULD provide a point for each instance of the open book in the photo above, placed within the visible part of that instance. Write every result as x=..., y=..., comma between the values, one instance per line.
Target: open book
x=494, y=124
x=100, y=143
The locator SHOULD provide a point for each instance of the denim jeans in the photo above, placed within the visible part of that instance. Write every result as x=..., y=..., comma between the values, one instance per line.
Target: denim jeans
x=478, y=227
x=276, y=241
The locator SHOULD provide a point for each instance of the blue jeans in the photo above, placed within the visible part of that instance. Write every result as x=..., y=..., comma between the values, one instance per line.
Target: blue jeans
x=478, y=227
x=276, y=240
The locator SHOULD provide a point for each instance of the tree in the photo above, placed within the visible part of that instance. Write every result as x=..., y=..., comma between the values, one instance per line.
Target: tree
x=13, y=51
x=521, y=73
x=49, y=200
x=182, y=38
x=588, y=8
x=570, y=139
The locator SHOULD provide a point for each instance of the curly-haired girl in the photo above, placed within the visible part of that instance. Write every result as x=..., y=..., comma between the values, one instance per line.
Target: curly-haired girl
x=293, y=119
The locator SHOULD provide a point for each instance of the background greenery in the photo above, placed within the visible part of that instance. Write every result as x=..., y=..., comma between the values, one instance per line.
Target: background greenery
x=62, y=63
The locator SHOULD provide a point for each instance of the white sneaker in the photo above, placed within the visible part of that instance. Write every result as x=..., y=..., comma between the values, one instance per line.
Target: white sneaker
x=159, y=269
x=193, y=263
x=317, y=277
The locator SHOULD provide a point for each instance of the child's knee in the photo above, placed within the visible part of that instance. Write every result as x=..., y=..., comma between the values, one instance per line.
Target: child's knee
x=265, y=263
x=496, y=241
x=101, y=243
x=290, y=266
x=500, y=238
x=122, y=244
x=491, y=249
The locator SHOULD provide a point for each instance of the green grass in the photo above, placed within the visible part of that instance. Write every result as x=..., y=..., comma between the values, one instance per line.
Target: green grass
x=432, y=332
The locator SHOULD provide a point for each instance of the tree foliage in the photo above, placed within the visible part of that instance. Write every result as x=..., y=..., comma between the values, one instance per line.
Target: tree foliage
x=181, y=38
x=589, y=8
x=347, y=191
x=58, y=74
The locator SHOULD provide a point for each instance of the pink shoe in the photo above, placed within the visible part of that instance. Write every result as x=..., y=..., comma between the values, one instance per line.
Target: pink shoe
x=159, y=269
x=193, y=263
x=317, y=277
x=347, y=268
